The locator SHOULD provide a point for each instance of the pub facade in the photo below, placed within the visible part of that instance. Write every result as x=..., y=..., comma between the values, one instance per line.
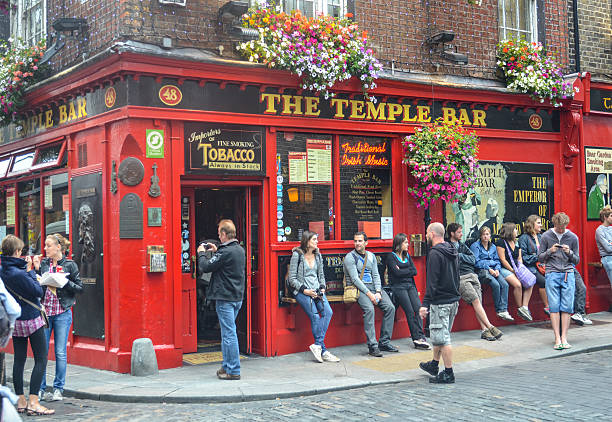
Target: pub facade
x=137, y=161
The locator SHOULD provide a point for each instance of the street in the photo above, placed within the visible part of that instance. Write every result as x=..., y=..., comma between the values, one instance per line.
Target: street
x=568, y=388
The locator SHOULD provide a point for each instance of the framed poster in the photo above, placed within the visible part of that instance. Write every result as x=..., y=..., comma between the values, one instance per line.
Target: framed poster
x=598, y=167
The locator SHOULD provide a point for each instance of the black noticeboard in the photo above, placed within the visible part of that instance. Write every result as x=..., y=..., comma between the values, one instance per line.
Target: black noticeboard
x=333, y=267
x=87, y=253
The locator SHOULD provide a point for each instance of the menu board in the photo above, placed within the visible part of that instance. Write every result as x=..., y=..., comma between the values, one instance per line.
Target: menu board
x=298, y=171
x=319, y=160
x=48, y=193
x=10, y=206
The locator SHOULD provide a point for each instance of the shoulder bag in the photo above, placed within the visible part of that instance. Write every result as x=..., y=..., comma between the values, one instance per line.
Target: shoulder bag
x=351, y=292
x=41, y=308
x=541, y=267
x=526, y=277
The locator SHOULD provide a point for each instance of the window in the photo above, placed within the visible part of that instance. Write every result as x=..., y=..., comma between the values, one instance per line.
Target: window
x=29, y=215
x=517, y=19
x=56, y=201
x=333, y=200
x=30, y=21
x=311, y=8
x=4, y=165
x=7, y=210
x=22, y=162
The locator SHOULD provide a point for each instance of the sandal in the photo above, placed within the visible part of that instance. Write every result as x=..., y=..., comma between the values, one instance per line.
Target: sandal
x=566, y=345
x=40, y=411
x=558, y=346
x=21, y=409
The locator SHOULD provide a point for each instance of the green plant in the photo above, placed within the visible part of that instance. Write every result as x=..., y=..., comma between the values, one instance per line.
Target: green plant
x=441, y=157
x=322, y=50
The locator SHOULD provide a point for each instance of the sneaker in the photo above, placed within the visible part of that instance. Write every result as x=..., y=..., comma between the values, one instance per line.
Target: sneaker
x=421, y=344
x=388, y=347
x=220, y=371
x=329, y=357
x=586, y=320
x=226, y=376
x=57, y=395
x=496, y=332
x=505, y=316
x=375, y=351
x=547, y=311
x=443, y=378
x=47, y=396
x=577, y=318
x=486, y=335
x=316, y=351
x=430, y=367
x=524, y=313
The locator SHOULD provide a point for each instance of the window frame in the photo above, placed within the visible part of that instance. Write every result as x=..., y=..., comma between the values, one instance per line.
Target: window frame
x=532, y=13
x=320, y=6
x=21, y=19
x=35, y=167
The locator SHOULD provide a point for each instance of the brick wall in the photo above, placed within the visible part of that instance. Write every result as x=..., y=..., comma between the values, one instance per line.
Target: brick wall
x=397, y=29
x=595, y=31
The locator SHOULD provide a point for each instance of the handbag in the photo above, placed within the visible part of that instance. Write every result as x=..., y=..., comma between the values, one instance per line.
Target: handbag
x=526, y=277
x=541, y=268
x=43, y=313
x=351, y=293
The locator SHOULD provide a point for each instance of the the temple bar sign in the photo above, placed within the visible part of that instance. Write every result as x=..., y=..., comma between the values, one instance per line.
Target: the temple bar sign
x=224, y=149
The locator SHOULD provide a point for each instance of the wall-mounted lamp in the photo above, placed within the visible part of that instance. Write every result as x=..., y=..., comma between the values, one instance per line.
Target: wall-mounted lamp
x=64, y=28
x=437, y=44
x=229, y=16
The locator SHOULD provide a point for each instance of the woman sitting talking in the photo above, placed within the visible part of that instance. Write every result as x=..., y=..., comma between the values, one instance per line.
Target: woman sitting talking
x=529, y=242
x=401, y=272
x=307, y=280
x=489, y=266
x=507, y=242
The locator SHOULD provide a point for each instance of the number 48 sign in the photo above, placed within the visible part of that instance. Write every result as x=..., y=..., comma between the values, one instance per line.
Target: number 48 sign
x=170, y=95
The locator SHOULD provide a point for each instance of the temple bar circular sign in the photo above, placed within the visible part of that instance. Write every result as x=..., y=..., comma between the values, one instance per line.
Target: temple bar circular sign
x=224, y=149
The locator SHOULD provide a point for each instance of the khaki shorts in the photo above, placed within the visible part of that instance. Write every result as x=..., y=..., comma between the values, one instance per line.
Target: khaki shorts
x=469, y=287
x=441, y=318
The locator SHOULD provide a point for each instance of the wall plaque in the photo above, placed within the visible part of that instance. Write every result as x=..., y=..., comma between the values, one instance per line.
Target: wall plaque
x=131, y=171
x=154, y=217
x=130, y=217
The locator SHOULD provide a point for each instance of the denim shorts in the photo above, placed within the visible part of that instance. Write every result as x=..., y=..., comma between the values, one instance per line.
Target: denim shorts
x=560, y=289
x=505, y=273
x=441, y=318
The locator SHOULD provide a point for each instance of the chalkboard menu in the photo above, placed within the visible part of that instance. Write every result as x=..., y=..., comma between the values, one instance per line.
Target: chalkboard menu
x=365, y=185
x=332, y=267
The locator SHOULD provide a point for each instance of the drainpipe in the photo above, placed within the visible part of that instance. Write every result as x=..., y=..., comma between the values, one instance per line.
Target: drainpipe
x=576, y=35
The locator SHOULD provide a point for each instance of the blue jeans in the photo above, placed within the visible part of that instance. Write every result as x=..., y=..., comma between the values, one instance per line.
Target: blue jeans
x=320, y=314
x=499, y=287
x=560, y=289
x=60, y=324
x=227, y=312
x=606, y=261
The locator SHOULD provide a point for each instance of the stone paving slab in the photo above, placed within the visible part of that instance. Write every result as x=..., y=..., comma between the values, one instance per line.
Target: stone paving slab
x=299, y=375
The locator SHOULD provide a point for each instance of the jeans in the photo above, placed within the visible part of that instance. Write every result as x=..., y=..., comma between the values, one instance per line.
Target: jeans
x=499, y=287
x=580, y=294
x=606, y=261
x=60, y=324
x=369, y=321
x=320, y=314
x=227, y=312
x=40, y=351
x=560, y=288
x=408, y=298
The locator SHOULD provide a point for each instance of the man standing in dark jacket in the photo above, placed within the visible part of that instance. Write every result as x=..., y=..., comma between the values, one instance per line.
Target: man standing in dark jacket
x=441, y=301
x=226, y=288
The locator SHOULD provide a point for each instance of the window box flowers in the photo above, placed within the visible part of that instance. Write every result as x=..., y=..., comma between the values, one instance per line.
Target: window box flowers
x=442, y=159
x=19, y=69
x=528, y=69
x=322, y=50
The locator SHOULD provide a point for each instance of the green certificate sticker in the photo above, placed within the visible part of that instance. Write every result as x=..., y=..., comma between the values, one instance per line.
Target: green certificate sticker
x=155, y=143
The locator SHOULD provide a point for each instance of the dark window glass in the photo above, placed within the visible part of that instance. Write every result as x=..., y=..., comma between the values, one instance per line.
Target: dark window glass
x=365, y=186
x=48, y=154
x=304, y=185
x=29, y=215
x=5, y=210
x=56, y=190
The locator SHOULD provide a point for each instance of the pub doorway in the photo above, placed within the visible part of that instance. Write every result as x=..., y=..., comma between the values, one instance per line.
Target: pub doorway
x=201, y=211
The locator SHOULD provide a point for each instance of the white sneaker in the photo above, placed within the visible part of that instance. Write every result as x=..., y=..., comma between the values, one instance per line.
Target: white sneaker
x=505, y=315
x=577, y=318
x=316, y=351
x=57, y=396
x=47, y=396
x=329, y=357
x=586, y=320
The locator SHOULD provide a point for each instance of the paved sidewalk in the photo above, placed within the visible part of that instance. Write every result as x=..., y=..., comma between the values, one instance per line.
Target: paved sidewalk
x=300, y=375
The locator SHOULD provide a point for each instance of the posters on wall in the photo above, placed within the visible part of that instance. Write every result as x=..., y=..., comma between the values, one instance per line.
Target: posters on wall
x=505, y=192
x=598, y=166
x=10, y=206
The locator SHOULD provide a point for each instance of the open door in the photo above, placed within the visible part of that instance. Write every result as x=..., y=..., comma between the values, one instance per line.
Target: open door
x=188, y=271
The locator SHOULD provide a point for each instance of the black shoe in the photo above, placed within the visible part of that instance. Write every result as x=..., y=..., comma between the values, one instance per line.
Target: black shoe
x=388, y=348
x=430, y=367
x=443, y=378
x=375, y=351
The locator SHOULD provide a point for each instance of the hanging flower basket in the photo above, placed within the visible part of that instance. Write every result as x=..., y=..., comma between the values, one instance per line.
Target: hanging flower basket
x=19, y=69
x=442, y=158
x=323, y=50
x=528, y=69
